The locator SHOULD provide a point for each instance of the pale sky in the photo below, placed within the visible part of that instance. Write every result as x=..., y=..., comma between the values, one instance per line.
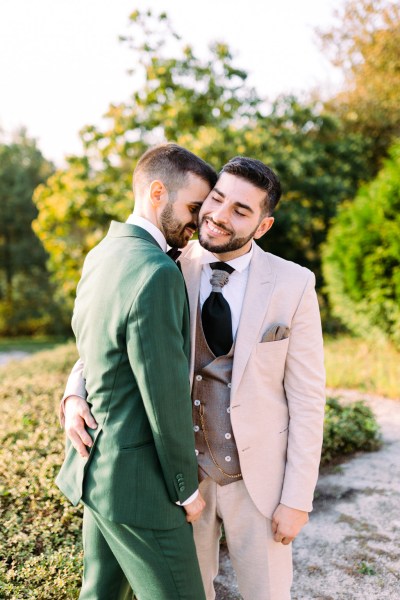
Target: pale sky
x=61, y=63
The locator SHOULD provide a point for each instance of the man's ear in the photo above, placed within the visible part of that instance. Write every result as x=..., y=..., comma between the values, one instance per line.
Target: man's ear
x=263, y=227
x=157, y=193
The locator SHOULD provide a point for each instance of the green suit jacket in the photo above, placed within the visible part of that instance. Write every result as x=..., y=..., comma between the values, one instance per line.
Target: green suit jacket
x=131, y=323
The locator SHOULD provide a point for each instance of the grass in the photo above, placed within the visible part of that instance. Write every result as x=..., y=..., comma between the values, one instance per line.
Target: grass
x=30, y=344
x=353, y=363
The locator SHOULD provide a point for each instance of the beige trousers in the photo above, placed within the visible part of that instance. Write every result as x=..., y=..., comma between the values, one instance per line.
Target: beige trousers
x=263, y=567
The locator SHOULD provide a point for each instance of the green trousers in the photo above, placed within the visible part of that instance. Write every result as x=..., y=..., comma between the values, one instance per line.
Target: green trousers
x=155, y=564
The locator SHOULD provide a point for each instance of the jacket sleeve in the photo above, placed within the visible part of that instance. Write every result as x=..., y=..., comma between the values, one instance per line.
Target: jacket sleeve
x=158, y=353
x=304, y=383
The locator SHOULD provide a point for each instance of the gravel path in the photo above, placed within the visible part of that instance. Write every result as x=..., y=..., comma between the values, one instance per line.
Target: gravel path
x=6, y=357
x=350, y=550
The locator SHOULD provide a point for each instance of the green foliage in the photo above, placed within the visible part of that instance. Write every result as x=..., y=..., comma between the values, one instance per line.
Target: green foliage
x=348, y=428
x=206, y=105
x=365, y=43
x=40, y=538
x=362, y=257
x=319, y=166
x=25, y=294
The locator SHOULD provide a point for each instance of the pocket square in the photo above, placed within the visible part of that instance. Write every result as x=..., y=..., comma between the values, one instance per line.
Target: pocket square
x=275, y=333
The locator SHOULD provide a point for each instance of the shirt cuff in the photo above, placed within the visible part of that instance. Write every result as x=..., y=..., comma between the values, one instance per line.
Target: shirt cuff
x=189, y=500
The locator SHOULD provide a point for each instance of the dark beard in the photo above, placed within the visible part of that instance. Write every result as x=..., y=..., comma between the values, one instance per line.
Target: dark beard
x=234, y=243
x=173, y=229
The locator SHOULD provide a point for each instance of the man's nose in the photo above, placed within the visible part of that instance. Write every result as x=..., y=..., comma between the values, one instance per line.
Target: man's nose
x=220, y=215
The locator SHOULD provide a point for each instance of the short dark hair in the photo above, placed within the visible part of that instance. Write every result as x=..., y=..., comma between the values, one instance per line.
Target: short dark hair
x=257, y=173
x=171, y=164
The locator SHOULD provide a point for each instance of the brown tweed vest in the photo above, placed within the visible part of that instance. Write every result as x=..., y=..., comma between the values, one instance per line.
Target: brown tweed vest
x=216, y=450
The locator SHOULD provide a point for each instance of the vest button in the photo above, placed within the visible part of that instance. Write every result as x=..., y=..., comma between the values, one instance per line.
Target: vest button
x=228, y=436
x=228, y=410
x=196, y=428
x=229, y=385
x=196, y=402
x=228, y=458
x=196, y=452
x=198, y=378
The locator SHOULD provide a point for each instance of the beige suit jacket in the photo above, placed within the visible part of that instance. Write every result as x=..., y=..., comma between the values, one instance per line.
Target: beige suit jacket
x=278, y=388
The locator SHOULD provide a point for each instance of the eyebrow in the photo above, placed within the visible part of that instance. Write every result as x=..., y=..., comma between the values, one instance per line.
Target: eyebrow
x=239, y=204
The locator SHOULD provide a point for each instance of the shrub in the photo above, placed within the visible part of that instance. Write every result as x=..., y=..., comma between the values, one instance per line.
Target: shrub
x=361, y=259
x=348, y=428
x=40, y=538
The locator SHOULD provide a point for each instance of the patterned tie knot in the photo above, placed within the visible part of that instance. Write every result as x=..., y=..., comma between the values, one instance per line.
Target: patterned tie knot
x=220, y=275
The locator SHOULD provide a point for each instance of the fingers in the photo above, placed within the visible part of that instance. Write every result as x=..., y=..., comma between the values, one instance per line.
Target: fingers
x=282, y=539
x=194, y=509
x=87, y=416
x=193, y=518
x=77, y=414
x=75, y=428
x=77, y=443
x=287, y=540
x=274, y=527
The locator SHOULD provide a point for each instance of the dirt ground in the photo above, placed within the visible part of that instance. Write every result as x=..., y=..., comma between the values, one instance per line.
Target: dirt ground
x=350, y=550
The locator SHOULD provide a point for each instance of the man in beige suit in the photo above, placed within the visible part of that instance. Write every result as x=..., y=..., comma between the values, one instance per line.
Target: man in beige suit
x=257, y=391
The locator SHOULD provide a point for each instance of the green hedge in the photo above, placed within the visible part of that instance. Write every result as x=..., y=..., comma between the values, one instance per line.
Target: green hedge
x=40, y=538
x=361, y=257
x=348, y=428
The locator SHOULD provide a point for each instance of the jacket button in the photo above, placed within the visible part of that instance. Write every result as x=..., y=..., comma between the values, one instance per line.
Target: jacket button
x=228, y=436
x=228, y=458
x=198, y=378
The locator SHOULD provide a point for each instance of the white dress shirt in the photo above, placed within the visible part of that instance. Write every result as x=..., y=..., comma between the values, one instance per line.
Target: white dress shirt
x=234, y=290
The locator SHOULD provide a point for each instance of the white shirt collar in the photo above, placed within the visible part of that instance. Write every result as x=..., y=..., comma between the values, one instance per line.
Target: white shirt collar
x=150, y=228
x=239, y=264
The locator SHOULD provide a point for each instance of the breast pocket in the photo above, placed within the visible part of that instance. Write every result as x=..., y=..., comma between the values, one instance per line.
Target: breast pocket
x=273, y=348
x=271, y=357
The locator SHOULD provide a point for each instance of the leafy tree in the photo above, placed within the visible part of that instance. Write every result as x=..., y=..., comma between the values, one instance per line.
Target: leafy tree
x=362, y=257
x=25, y=296
x=320, y=166
x=365, y=44
x=207, y=106
x=201, y=104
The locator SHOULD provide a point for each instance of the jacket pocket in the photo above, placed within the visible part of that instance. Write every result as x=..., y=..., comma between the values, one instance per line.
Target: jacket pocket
x=136, y=446
x=272, y=348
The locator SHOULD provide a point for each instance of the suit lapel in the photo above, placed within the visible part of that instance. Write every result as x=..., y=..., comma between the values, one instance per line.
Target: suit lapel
x=259, y=289
x=118, y=229
x=191, y=269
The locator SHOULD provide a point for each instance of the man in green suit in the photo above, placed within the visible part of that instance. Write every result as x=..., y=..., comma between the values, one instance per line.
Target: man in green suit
x=131, y=323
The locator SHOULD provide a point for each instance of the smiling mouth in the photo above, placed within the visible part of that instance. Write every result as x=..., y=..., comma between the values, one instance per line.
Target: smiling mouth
x=214, y=229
